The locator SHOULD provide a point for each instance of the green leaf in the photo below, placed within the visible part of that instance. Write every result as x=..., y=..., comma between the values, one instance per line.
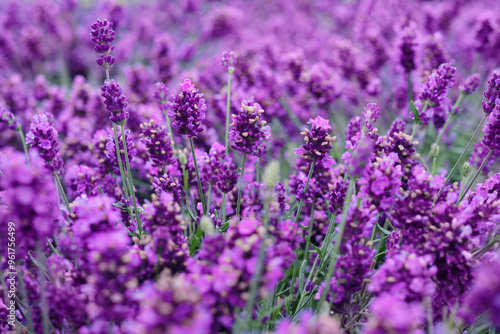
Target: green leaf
x=315, y=248
x=383, y=230
x=194, y=244
x=224, y=227
x=302, y=275
x=415, y=112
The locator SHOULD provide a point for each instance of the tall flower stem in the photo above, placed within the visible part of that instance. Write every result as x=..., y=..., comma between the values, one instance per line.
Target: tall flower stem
x=338, y=241
x=240, y=186
x=414, y=130
x=485, y=161
x=462, y=155
x=448, y=119
x=228, y=107
x=21, y=135
x=301, y=203
x=223, y=208
x=128, y=175
x=200, y=189
x=120, y=165
x=410, y=90
x=62, y=193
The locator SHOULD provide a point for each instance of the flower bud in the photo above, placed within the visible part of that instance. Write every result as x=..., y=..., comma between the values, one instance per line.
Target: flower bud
x=271, y=174
x=207, y=225
x=434, y=150
x=466, y=169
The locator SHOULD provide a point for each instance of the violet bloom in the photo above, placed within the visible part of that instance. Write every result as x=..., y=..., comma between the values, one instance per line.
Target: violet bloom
x=228, y=61
x=370, y=115
x=168, y=184
x=492, y=130
x=158, y=145
x=102, y=35
x=435, y=89
x=318, y=142
x=310, y=323
x=470, y=84
x=407, y=46
x=390, y=315
x=491, y=94
x=81, y=180
x=44, y=138
x=337, y=196
x=28, y=198
x=485, y=293
x=281, y=197
x=249, y=133
x=228, y=176
x=7, y=119
x=187, y=109
x=115, y=102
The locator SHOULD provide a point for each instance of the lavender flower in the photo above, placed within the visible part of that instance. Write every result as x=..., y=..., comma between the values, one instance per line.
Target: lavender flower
x=228, y=61
x=281, y=197
x=249, y=133
x=102, y=35
x=227, y=176
x=337, y=196
x=492, y=130
x=7, y=119
x=187, y=109
x=435, y=89
x=370, y=116
x=470, y=84
x=44, y=138
x=168, y=184
x=318, y=142
x=407, y=45
x=115, y=102
x=491, y=94
x=157, y=143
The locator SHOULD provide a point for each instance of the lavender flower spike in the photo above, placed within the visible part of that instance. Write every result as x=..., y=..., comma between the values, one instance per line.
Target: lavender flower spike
x=102, y=35
x=318, y=142
x=470, y=84
x=187, y=109
x=115, y=102
x=435, y=89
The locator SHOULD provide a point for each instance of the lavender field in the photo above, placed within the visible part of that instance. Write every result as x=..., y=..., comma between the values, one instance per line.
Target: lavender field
x=237, y=166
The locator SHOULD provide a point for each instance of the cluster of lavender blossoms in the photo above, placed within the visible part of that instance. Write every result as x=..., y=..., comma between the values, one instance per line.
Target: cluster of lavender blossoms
x=329, y=167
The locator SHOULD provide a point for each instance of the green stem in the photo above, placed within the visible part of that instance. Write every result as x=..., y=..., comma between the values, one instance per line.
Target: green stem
x=240, y=186
x=333, y=260
x=461, y=156
x=200, y=189
x=485, y=161
x=62, y=193
x=228, y=107
x=129, y=175
x=301, y=203
x=223, y=208
x=120, y=164
x=410, y=91
x=21, y=134
x=209, y=198
x=433, y=165
x=414, y=130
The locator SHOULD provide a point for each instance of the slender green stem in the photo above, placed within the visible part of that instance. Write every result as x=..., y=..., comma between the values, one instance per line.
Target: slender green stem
x=433, y=170
x=21, y=135
x=120, y=164
x=485, y=161
x=129, y=175
x=223, y=208
x=43, y=297
x=410, y=91
x=209, y=198
x=414, y=130
x=240, y=186
x=461, y=156
x=338, y=241
x=228, y=108
x=301, y=203
x=62, y=192
x=200, y=189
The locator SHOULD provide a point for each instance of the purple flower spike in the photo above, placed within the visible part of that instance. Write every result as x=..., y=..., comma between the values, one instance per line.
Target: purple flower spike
x=168, y=184
x=7, y=119
x=228, y=176
x=318, y=142
x=492, y=130
x=491, y=94
x=407, y=45
x=281, y=197
x=249, y=133
x=187, y=109
x=436, y=87
x=115, y=102
x=102, y=35
x=157, y=143
x=228, y=61
x=370, y=115
x=44, y=138
x=470, y=84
